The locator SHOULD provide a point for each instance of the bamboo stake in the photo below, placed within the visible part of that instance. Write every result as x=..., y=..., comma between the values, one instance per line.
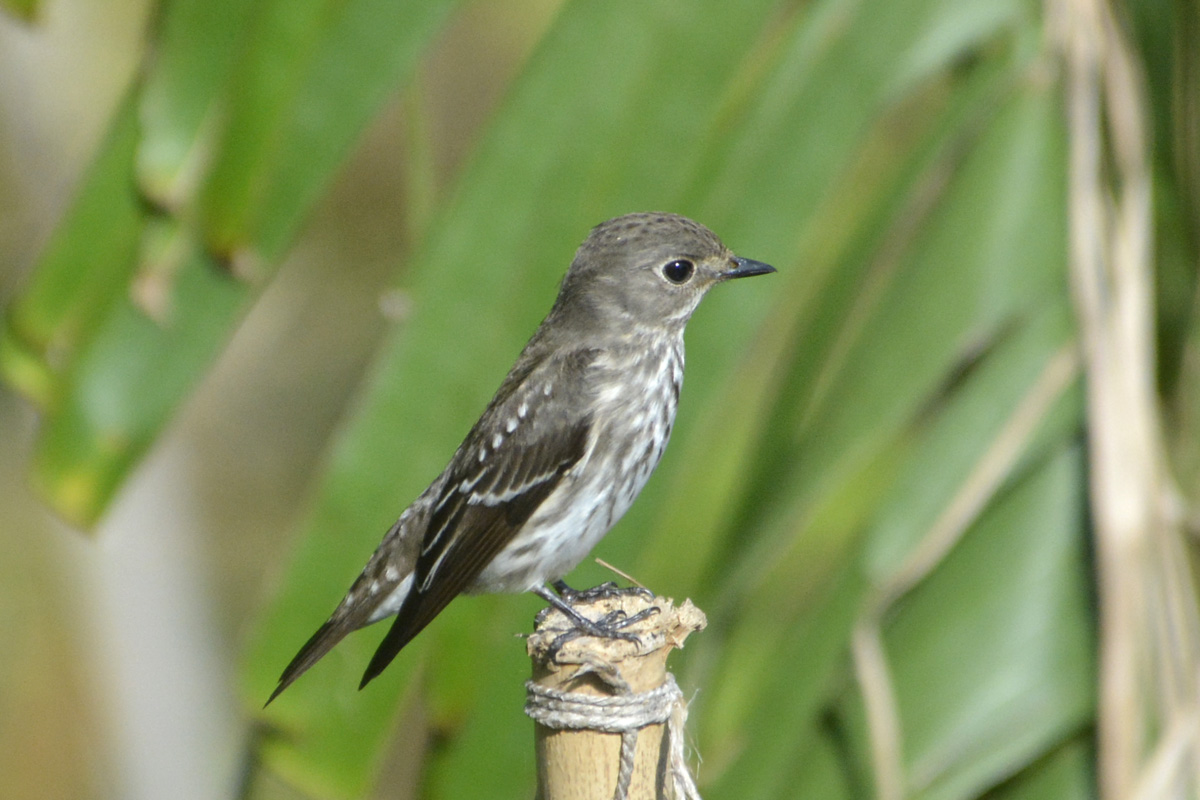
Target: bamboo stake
x=582, y=761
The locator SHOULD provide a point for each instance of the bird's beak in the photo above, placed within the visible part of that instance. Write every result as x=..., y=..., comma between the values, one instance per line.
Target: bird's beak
x=747, y=267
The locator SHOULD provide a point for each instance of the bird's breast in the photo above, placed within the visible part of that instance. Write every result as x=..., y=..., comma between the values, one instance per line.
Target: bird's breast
x=634, y=409
x=633, y=421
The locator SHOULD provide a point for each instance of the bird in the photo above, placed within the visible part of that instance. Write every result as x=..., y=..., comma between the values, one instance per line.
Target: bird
x=561, y=451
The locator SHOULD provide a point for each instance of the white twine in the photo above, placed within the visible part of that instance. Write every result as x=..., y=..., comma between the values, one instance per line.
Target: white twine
x=626, y=714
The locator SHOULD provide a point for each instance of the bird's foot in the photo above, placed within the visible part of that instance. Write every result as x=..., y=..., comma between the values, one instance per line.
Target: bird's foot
x=604, y=591
x=610, y=626
x=607, y=627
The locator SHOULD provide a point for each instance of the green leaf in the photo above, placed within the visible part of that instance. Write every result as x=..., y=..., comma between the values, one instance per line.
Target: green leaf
x=312, y=75
x=299, y=97
x=965, y=426
x=778, y=669
x=22, y=9
x=197, y=43
x=956, y=286
x=84, y=270
x=1067, y=773
x=264, y=83
x=737, y=435
x=908, y=334
x=992, y=657
x=126, y=382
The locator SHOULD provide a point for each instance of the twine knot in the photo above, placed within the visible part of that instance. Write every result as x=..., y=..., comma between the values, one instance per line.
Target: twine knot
x=625, y=713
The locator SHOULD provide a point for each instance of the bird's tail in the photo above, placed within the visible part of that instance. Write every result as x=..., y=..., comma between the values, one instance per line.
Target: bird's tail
x=320, y=643
x=378, y=592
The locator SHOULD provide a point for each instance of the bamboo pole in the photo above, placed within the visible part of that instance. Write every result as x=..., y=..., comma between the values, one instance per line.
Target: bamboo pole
x=596, y=684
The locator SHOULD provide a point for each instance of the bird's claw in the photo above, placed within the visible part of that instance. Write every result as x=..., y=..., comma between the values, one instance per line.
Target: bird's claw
x=607, y=627
x=604, y=591
x=611, y=626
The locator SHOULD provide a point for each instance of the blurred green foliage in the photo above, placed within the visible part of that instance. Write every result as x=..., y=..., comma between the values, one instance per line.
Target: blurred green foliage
x=902, y=163
x=24, y=9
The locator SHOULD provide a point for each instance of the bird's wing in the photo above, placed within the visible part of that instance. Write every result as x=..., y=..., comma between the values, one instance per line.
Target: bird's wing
x=380, y=577
x=531, y=435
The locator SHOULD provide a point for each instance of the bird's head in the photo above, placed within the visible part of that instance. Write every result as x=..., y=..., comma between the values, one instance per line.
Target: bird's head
x=648, y=270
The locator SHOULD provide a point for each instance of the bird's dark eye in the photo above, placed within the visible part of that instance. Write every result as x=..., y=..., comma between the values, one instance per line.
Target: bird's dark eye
x=678, y=271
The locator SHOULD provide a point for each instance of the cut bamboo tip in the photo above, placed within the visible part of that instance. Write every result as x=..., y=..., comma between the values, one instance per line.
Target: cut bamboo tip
x=584, y=764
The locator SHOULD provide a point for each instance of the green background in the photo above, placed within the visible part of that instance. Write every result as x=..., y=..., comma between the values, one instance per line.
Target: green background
x=264, y=263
